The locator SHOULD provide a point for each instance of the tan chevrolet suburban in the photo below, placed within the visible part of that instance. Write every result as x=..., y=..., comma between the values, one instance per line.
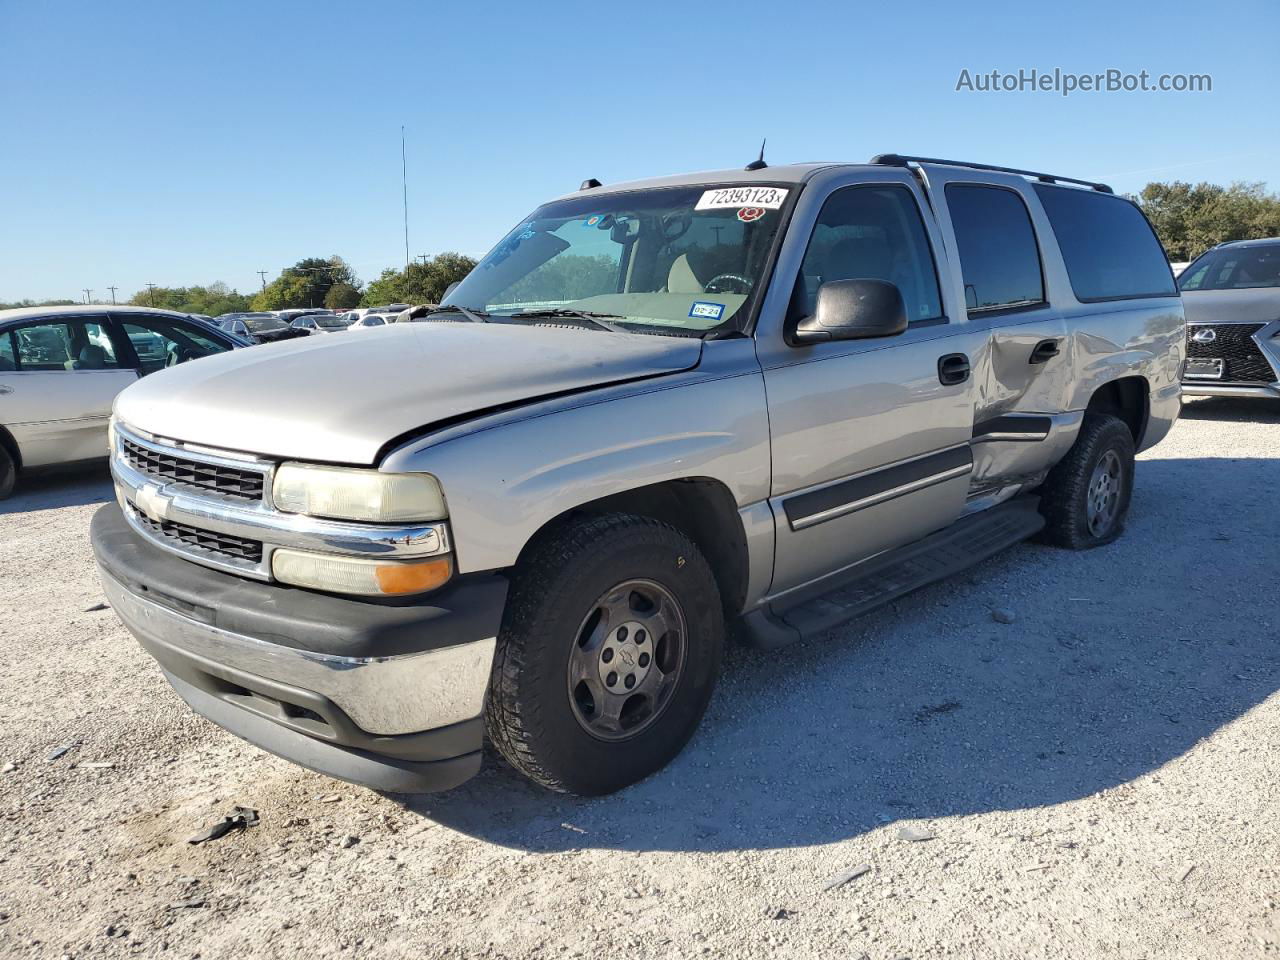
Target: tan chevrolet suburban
x=774, y=397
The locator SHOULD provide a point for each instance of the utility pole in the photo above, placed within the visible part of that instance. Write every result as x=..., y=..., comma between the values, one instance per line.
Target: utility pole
x=404, y=183
x=88, y=294
x=263, y=275
x=423, y=257
x=113, y=295
x=151, y=289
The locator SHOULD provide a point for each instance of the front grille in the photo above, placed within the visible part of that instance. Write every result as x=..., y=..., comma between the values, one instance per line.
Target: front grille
x=1242, y=361
x=222, y=544
x=245, y=484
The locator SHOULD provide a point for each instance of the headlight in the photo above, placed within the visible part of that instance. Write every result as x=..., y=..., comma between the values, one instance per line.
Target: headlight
x=322, y=571
x=350, y=494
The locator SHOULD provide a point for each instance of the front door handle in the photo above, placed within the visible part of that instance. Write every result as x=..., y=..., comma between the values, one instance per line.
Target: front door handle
x=1044, y=351
x=952, y=369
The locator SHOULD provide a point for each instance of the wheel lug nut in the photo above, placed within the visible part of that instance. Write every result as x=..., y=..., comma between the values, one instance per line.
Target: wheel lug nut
x=622, y=634
x=607, y=655
x=611, y=680
x=630, y=681
x=644, y=659
x=639, y=636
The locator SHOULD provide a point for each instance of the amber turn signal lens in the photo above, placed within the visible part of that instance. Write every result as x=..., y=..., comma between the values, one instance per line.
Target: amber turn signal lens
x=414, y=577
x=359, y=575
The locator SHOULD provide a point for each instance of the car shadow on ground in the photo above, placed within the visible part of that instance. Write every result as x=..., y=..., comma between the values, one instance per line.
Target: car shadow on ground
x=62, y=487
x=1119, y=661
x=1235, y=409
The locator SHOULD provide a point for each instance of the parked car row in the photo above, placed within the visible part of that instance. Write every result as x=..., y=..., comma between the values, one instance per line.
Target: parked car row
x=271, y=326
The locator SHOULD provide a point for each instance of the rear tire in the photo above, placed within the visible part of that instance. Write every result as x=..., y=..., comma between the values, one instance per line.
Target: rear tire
x=8, y=472
x=582, y=699
x=1085, y=498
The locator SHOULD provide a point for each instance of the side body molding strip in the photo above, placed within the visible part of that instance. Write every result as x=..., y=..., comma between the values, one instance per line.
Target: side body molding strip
x=876, y=486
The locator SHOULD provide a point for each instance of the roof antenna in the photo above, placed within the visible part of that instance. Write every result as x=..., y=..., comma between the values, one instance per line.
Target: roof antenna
x=758, y=163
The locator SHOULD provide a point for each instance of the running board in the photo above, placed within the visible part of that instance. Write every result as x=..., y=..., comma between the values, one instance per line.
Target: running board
x=892, y=574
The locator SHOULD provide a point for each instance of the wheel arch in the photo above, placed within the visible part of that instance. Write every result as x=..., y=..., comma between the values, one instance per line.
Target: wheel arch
x=703, y=508
x=1128, y=398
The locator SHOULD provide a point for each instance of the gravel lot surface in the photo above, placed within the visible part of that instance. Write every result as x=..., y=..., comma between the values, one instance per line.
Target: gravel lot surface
x=1099, y=776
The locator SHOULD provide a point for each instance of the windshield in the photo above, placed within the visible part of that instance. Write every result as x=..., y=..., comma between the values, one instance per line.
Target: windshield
x=263, y=324
x=1234, y=268
x=680, y=258
x=330, y=323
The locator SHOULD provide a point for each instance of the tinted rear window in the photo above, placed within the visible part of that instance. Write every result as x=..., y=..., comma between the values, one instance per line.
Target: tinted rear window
x=1110, y=250
x=999, y=258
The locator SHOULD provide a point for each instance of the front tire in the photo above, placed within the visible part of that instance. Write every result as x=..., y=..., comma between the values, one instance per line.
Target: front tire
x=8, y=473
x=1086, y=497
x=609, y=651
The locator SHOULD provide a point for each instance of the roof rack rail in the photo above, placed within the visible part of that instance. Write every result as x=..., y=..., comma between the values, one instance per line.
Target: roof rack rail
x=900, y=160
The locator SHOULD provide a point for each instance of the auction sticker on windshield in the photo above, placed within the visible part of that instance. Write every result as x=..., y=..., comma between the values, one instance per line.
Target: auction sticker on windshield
x=733, y=198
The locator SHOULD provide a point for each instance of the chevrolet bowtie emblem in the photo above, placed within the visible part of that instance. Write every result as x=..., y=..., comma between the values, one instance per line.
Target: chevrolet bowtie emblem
x=151, y=501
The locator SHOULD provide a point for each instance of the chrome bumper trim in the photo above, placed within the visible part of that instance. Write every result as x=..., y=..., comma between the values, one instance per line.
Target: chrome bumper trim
x=381, y=695
x=1199, y=388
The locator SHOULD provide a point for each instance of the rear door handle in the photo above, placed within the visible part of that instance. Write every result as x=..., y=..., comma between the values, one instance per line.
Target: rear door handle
x=1044, y=351
x=952, y=369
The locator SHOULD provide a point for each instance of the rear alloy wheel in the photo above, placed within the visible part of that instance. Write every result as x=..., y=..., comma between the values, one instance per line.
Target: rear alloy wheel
x=1086, y=495
x=609, y=651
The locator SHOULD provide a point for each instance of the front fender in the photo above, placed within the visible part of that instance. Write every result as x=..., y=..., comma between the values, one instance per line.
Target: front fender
x=504, y=482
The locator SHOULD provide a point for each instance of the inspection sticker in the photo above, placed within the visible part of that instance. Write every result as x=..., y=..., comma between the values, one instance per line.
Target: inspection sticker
x=706, y=310
x=732, y=198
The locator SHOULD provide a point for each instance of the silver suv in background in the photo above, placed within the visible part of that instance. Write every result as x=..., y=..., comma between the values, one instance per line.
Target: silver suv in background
x=1231, y=294
x=61, y=368
x=778, y=396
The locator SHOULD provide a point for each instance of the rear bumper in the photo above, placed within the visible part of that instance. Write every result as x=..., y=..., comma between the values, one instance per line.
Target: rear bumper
x=387, y=696
x=1202, y=388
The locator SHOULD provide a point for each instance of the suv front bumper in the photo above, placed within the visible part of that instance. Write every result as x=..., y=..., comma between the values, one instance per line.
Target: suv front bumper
x=382, y=694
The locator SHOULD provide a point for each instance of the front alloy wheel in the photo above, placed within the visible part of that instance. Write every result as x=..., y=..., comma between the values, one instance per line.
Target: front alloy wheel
x=626, y=663
x=608, y=653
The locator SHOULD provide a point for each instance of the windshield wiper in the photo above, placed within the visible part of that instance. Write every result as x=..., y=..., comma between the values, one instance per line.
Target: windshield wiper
x=601, y=320
x=475, y=316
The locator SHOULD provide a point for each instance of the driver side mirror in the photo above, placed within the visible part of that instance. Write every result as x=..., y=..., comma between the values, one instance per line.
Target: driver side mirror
x=854, y=310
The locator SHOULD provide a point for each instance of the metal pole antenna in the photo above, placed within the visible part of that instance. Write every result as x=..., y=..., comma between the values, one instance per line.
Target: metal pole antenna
x=404, y=183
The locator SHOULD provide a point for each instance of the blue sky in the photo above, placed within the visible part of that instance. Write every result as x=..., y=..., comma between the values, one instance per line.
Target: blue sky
x=184, y=143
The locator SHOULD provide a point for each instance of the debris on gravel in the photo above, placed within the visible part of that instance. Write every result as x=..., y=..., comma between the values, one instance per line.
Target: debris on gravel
x=1002, y=615
x=840, y=879
x=238, y=819
x=915, y=834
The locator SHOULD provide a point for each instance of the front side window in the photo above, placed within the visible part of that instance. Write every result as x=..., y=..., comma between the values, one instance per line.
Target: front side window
x=65, y=345
x=871, y=233
x=1110, y=250
x=1234, y=268
x=999, y=258
x=8, y=355
x=162, y=343
x=675, y=259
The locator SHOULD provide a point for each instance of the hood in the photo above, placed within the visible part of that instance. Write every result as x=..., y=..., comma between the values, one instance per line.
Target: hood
x=1260, y=305
x=341, y=399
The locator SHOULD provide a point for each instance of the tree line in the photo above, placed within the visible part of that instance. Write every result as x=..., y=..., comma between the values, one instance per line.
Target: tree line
x=1189, y=219
x=311, y=282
